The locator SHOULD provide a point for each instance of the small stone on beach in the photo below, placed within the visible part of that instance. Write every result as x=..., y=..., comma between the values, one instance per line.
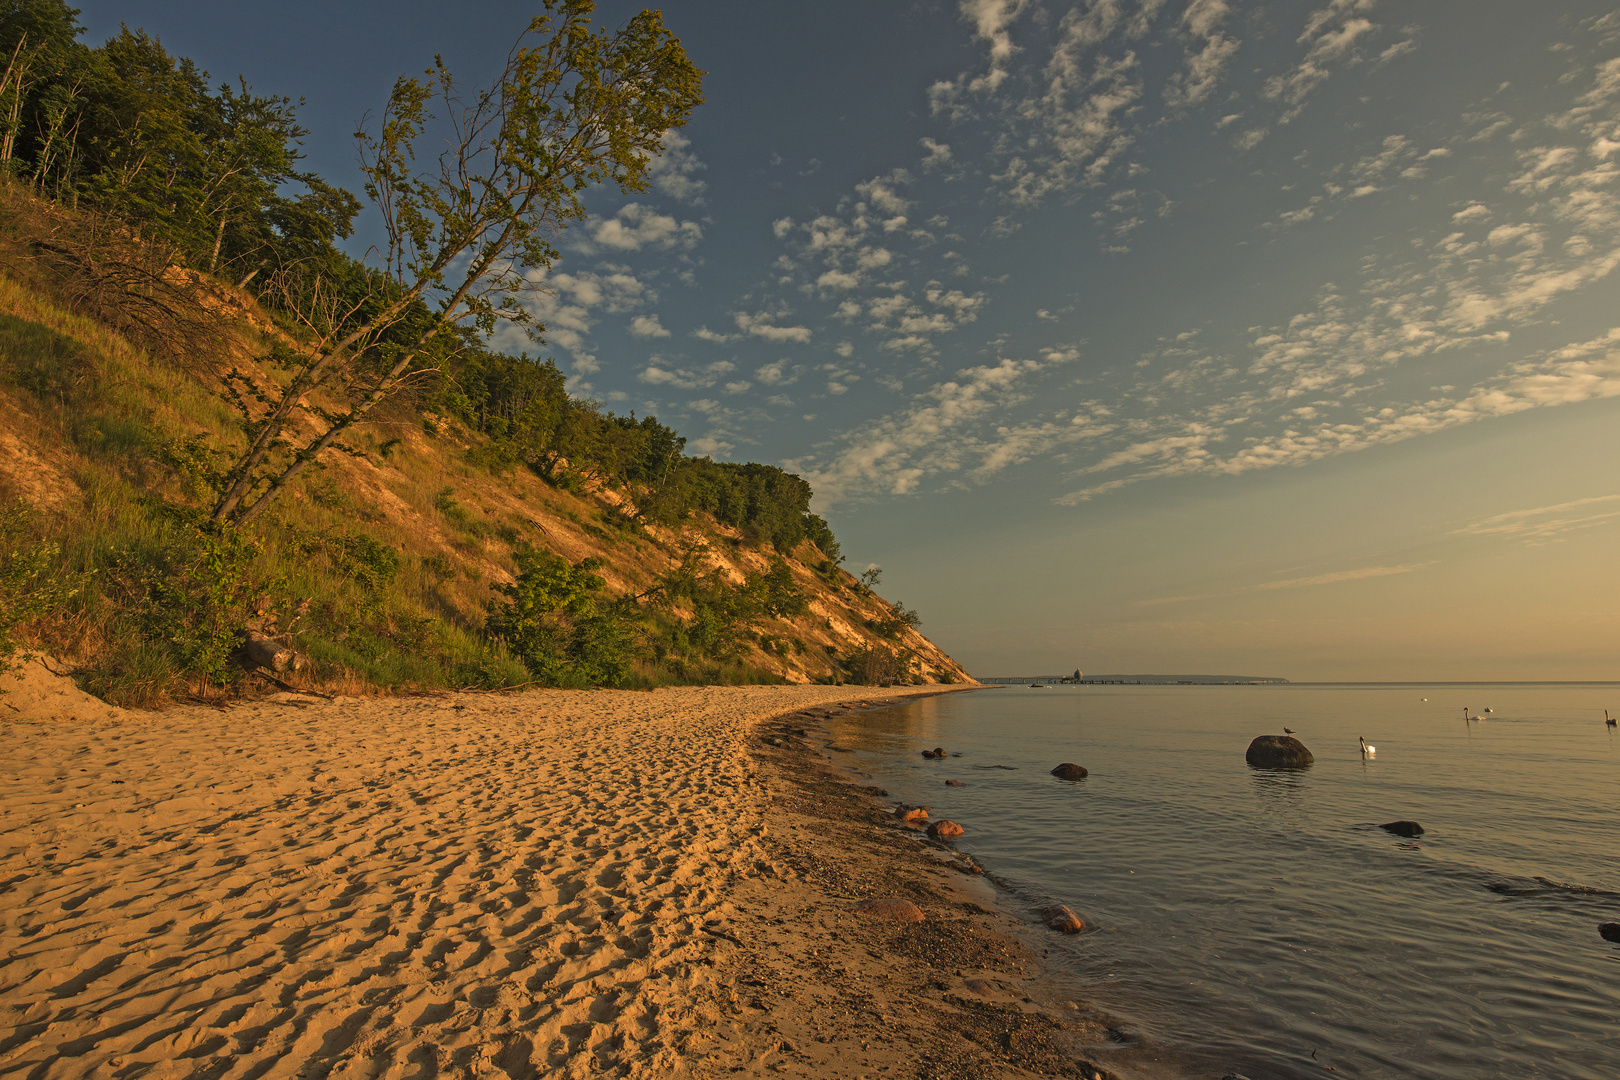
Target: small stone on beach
x=890, y=910
x=1070, y=771
x=945, y=829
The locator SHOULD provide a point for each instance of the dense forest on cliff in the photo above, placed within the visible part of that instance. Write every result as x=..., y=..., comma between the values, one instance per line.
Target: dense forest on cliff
x=221, y=428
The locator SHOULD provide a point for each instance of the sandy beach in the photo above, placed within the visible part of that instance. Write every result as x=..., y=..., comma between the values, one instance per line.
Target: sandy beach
x=541, y=884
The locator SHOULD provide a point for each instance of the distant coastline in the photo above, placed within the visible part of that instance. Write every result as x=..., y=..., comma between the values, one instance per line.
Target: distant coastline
x=1136, y=680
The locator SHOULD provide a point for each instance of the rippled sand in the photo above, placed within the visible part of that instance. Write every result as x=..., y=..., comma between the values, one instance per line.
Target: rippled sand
x=469, y=885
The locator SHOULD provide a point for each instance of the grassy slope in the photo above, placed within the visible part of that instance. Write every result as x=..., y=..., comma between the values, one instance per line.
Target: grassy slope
x=93, y=435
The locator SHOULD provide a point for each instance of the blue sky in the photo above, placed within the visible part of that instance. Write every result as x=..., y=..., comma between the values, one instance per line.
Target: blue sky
x=1133, y=335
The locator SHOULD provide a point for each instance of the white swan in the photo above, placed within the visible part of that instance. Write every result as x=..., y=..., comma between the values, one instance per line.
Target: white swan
x=1367, y=751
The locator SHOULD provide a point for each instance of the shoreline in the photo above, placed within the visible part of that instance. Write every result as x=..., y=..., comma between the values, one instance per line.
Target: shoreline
x=554, y=883
x=989, y=1008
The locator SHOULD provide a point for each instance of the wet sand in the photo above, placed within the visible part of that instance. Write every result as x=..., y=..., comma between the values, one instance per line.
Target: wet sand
x=550, y=883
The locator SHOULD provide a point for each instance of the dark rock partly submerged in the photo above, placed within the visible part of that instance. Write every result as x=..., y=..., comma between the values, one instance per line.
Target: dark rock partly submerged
x=1407, y=829
x=1070, y=771
x=1278, y=752
x=1609, y=931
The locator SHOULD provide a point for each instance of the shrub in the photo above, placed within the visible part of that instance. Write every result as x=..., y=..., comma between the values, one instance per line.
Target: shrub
x=29, y=587
x=554, y=622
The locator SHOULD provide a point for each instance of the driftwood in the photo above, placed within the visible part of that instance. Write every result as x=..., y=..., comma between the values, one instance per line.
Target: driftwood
x=267, y=652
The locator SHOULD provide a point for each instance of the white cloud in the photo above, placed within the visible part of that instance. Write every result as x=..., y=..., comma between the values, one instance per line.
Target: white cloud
x=776, y=373
x=647, y=326
x=761, y=326
x=657, y=374
x=1579, y=372
x=953, y=427
x=881, y=194
x=674, y=172
x=636, y=226
x=838, y=279
x=1331, y=35
x=992, y=21
x=939, y=154
x=1203, y=69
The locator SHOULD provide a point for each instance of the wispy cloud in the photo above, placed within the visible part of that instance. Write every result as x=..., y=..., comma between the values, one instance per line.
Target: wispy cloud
x=1547, y=524
x=1209, y=52
x=943, y=432
x=1335, y=577
x=1333, y=34
x=1341, y=575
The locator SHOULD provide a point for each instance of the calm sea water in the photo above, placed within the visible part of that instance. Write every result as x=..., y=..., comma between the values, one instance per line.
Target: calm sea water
x=1254, y=917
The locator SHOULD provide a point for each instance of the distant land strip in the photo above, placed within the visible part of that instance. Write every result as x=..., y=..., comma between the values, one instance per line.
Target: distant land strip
x=1144, y=680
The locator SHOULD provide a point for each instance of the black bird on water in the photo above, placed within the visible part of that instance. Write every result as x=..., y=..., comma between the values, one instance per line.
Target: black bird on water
x=1608, y=720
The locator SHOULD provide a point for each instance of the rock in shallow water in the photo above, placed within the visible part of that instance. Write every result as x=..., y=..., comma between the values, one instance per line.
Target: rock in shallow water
x=890, y=910
x=1070, y=771
x=1278, y=752
x=1064, y=920
x=945, y=829
x=1609, y=931
x=953, y=783
x=911, y=813
x=1403, y=828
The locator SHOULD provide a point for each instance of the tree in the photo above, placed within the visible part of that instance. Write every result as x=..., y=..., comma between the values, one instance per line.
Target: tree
x=573, y=108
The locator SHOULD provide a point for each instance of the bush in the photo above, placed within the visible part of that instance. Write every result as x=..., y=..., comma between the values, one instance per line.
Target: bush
x=899, y=620
x=29, y=586
x=554, y=622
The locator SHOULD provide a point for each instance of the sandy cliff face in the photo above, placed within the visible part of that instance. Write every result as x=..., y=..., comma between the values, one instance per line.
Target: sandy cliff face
x=406, y=480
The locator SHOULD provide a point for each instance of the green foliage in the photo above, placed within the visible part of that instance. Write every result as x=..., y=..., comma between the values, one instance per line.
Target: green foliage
x=187, y=589
x=897, y=622
x=880, y=665
x=555, y=621
x=819, y=533
x=31, y=585
x=575, y=107
x=139, y=134
x=724, y=616
x=371, y=565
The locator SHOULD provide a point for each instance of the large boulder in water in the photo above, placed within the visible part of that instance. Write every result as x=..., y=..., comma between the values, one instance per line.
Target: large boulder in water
x=1070, y=771
x=1609, y=931
x=1278, y=752
x=1408, y=829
